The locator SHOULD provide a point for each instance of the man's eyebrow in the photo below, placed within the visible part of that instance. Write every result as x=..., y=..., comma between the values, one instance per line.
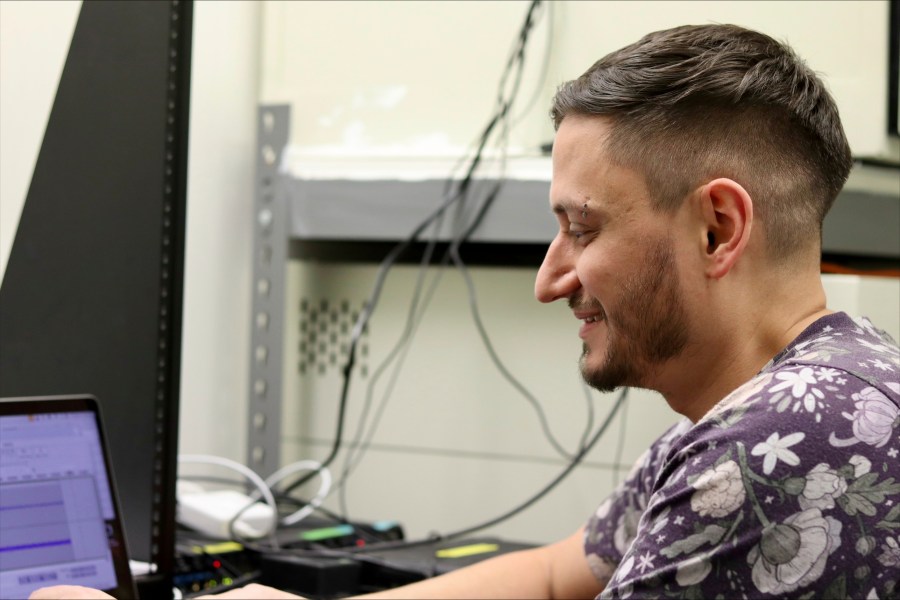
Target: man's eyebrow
x=571, y=205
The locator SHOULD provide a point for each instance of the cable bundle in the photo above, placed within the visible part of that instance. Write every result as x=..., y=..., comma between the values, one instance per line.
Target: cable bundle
x=470, y=213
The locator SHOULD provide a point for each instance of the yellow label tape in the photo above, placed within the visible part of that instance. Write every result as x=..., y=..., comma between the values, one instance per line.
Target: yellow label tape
x=220, y=548
x=470, y=550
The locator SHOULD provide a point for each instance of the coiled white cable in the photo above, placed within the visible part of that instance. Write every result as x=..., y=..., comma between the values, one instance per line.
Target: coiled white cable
x=324, y=487
x=257, y=481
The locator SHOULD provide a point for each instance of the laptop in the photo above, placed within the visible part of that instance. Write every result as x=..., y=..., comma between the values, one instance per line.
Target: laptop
x=60, y=522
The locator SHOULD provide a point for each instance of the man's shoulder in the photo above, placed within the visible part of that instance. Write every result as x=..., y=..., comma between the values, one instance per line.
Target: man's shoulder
x=789, y=482
x=838, y=386
x=843, y=347
x=826, y=407
x=787, y=422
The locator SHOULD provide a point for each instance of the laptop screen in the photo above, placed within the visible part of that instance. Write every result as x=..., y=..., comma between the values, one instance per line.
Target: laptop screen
x=59, y=522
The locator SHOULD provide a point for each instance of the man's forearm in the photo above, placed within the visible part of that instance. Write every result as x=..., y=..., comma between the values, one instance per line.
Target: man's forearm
x=559, y=570
x=522, y=574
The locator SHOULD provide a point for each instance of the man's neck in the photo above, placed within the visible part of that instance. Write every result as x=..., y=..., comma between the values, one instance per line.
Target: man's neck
x=729, y=353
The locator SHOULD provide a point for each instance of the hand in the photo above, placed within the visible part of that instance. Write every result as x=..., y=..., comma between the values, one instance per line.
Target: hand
x=254, y=591
x=68, y=592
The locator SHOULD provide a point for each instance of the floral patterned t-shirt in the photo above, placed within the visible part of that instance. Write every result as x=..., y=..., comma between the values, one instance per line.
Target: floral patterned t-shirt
x=789, y=487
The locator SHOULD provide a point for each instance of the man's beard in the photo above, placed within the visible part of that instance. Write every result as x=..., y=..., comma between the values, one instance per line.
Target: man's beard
x=649, y=327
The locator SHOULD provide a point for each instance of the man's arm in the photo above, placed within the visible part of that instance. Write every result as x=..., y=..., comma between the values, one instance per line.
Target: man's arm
x=559, y=570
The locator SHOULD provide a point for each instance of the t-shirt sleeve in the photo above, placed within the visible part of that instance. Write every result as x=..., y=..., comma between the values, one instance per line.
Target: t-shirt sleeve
x=793, y=491
x=613, y=526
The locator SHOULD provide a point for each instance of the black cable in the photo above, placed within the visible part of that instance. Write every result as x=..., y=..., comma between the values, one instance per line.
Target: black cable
x=360, y=325
x=479, y=324
x=355, y=552
x=516, y=57
x=413, y=321
x=392, y=257
x=357, y=448
x=505, y=105
x=371, y=303
x=576, y=460
x=545, y=66
x=473, y=304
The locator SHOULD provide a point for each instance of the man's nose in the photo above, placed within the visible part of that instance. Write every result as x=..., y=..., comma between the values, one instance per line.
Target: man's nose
x=556, y=278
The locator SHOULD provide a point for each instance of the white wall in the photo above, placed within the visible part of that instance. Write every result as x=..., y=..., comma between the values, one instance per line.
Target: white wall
x=415, y=76
x=221, y=170
x=877, y=298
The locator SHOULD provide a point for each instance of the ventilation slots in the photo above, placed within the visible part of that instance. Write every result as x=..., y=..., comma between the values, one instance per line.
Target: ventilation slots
x=325, y=327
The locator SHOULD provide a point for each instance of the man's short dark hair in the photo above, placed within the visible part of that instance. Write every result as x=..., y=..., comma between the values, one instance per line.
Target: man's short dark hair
x=698, y=102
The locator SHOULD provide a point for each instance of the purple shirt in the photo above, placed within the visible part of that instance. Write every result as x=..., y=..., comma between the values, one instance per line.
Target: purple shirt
x=788, y=487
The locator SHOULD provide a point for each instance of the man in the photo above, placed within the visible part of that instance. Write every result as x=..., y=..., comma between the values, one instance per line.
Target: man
x=691, y=174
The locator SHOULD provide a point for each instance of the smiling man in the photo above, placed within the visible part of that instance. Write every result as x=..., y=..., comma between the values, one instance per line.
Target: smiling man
x=691, y=174
x=692, y=171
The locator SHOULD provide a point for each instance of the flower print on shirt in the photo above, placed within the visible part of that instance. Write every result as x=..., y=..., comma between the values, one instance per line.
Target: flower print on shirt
x=693, y=570
x=777, y=448
x=627, y=528
x=828, y=375
x=754, y=499
x=802, y=393
x=792, y=554
x=878, y=347
x=720, y=491
x=861, y=465
x=823, y=486
x=874, y=419
x=890, y=553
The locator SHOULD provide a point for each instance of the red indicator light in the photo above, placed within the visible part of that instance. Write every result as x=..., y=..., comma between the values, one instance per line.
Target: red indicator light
x=360, y=543
x=217, y=563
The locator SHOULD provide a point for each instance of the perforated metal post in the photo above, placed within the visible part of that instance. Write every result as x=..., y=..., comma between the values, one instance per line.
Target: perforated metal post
x=270, y=255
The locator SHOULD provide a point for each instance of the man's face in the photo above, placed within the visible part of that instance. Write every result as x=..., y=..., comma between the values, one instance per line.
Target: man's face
x=613, y=260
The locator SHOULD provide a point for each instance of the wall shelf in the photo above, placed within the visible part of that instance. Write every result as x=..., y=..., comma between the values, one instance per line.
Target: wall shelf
x=319, y=206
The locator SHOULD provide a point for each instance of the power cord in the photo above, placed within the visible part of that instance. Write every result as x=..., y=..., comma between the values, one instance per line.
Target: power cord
x=451, y=198
x=316, y=501
x=517, y=59
x=576, y=460
x=257, y=481
x=263, y=488
x=623, y=395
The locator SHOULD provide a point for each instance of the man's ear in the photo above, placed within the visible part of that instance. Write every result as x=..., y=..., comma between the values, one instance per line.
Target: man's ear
x=727, y=211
